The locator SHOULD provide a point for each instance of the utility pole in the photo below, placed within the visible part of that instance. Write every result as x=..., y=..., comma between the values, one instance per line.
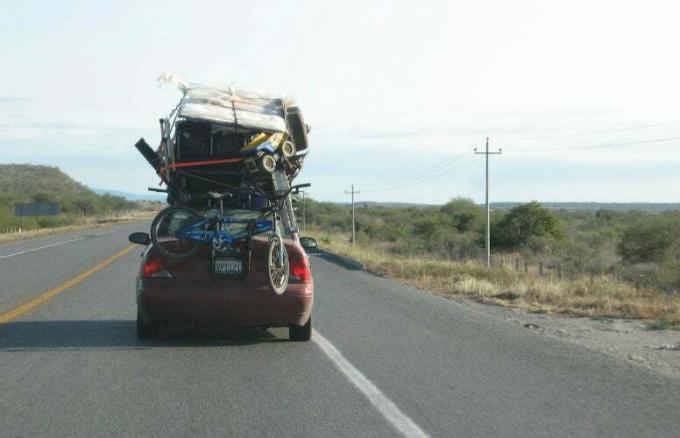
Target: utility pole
x=353, y=192
x=488, y=214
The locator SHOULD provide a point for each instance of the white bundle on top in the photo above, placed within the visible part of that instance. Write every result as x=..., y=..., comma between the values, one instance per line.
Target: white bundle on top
x=230, y=106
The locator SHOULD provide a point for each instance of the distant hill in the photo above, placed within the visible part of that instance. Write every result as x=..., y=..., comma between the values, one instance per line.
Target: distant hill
x=368, y=204
x=594, y=206
x=133, y=196
x=23, y=182
x=568, y=206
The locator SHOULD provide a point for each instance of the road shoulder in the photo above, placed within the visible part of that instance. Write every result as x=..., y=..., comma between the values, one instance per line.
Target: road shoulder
x=628, y=340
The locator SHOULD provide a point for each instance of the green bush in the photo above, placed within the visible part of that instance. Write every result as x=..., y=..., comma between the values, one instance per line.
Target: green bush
x=648, y=239
x=524, y=223
x=639, y=246
x=465, y=215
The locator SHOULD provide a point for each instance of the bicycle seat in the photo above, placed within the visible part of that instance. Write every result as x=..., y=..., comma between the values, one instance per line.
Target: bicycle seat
x=218, y=195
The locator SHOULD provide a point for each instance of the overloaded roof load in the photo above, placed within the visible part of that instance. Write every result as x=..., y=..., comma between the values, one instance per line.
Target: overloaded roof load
x=222, y=138
x=240, y=108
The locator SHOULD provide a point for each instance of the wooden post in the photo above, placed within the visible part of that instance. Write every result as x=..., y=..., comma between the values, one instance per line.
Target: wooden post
x=526, y=266
x=559, y=271
x=540, y=268
x=516, y=264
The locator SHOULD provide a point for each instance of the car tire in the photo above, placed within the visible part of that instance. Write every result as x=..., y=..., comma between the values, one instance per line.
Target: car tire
x=301, y=333
x=146, y=330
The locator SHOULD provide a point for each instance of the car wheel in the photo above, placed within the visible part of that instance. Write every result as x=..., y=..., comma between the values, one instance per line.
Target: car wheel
x=145, y=330
x=301, y=333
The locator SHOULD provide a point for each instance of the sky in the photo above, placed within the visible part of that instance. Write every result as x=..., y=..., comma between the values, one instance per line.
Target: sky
x=581, y=96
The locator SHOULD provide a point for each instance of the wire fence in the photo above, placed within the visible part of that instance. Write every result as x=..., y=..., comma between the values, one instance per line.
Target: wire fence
x=558, y=270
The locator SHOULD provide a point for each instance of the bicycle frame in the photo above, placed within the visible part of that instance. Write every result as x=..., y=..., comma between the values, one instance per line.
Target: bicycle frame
x=218, y=237
x=197, y=232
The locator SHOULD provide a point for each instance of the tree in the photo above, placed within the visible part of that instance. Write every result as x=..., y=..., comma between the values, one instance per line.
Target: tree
x=646, y=240
x=524, y=223
x=42, y=197
x=83, y=205
x=466, y=215
x=426, y=227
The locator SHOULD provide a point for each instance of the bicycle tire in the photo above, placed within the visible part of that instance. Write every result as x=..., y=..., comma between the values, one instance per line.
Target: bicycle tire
x=278, y=275
x=185, y=248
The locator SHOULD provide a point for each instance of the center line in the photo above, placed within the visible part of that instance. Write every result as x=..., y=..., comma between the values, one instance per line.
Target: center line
x=106, y=233
x=48, y=295
x=400, y=421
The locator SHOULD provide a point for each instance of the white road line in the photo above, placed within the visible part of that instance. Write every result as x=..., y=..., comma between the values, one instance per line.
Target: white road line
x=42, y=247
x=384, y=405
x=106, y=233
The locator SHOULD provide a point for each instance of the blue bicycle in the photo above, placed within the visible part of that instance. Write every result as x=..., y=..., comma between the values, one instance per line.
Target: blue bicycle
x=178, y=233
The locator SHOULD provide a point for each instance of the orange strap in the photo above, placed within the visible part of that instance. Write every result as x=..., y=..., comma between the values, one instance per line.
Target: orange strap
x=202, y=163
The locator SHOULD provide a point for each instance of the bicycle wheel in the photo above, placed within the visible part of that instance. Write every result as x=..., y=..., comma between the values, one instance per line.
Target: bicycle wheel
x=278, y=270
x=164, y=232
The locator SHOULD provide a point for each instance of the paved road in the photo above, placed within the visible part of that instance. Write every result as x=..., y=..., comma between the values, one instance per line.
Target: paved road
x=385, y=358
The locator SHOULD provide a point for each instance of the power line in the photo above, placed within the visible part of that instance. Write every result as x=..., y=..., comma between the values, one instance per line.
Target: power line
x=598, y=146
x=423, y=172
x=441, y=172
x=602, y=131
x=435, y=171
x=421, y=179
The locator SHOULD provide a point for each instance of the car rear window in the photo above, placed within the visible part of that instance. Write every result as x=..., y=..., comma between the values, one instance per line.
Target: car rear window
x=287, y=224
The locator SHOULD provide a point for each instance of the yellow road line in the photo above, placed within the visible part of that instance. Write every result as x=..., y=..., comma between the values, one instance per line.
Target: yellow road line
x=46, y=296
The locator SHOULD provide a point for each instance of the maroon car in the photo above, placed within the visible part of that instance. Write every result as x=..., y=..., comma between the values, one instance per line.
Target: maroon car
x=187, y=291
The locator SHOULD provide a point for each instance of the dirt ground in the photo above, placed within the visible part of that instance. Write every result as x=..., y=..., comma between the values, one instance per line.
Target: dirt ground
x=628, y=340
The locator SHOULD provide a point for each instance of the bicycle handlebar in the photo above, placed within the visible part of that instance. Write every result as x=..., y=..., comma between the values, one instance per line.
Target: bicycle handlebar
x=280, y=195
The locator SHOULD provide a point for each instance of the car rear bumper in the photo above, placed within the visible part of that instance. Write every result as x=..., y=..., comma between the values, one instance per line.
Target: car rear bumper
x=164, y=300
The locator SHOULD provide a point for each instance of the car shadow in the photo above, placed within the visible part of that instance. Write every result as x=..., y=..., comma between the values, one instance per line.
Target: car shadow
x=344, y=262
x=120, y=334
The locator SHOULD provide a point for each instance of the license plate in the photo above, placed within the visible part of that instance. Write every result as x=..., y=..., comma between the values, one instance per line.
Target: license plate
x=228, y=267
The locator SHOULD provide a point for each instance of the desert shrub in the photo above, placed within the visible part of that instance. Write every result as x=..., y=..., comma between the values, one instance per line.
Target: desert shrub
x=667, y=277
x=648, y=239
x=464, y=214
x=526, y=222
x=638, y=246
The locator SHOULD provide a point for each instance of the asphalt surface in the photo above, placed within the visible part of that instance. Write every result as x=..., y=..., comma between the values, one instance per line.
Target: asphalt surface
x=72, y=366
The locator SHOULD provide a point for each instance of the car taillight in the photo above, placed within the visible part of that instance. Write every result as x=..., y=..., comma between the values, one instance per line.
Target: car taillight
x=299, y=270
x=154, y=267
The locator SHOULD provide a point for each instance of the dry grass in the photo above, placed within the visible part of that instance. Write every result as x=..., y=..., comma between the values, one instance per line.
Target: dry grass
x=582, y=296
x=82, y=224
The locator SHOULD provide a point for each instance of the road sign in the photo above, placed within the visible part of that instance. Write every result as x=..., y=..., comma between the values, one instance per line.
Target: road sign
x=37, y=209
